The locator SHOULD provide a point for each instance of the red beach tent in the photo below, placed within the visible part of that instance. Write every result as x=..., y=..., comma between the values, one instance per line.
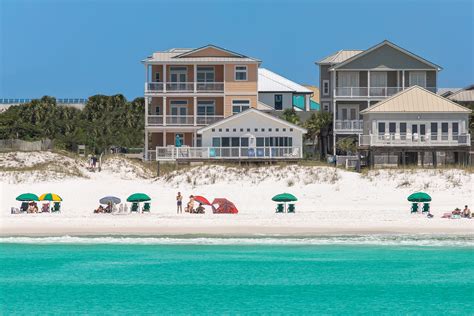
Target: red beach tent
x=224, y=206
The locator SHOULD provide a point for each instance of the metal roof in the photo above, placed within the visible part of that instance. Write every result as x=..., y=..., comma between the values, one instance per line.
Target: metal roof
x=268, y=81
x=463, y=95
x=416, y=100
x=175, y=55
x=339, y=56
x=444, y=91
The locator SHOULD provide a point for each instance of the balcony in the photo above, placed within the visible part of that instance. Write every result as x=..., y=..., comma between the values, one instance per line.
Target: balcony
x=184, y=87
x=349, y=126
x=375, y=92
x=223, y=153
x=182, y=120
x=414, y=140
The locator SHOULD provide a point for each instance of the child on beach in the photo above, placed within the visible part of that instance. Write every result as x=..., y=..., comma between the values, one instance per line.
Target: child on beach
x=179, y=203
x=466, y=213
x=190, y=207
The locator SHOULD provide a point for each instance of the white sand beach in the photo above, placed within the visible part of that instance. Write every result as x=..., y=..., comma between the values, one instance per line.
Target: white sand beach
x=331, y=201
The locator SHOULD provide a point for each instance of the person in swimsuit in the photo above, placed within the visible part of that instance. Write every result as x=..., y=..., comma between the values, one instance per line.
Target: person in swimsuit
x=179, y=203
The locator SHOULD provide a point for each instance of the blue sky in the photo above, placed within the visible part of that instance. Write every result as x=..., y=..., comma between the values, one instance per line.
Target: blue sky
x=75, y=48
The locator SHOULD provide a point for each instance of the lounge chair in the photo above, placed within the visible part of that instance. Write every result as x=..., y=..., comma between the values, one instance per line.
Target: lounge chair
x=146, y=207
x=291, y=208
x=134, y=207
x=280, y=208
x=414, y=208
x=24, y=207
x=56, y=207
x=426, y=207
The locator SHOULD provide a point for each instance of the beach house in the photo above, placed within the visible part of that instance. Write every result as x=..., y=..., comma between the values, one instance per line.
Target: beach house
x=354, y=80
x=415, y=126
x=187, y=90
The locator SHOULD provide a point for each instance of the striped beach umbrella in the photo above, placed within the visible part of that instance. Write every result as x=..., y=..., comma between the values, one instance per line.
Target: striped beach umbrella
x=50, y=197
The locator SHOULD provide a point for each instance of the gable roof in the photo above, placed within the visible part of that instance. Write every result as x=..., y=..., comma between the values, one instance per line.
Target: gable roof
x=385, y=42
x=182, y=55
x=416, y=100
x=268, y=81
x=339, y=56
x=250, y=112
x=463, y=95
x=446, y=92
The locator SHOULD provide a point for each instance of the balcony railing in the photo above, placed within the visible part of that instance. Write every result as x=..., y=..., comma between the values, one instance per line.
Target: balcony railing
x=349, y=125
x=183, y=120
x=415, y=140
x=184, y=87
x=175, y=153
x=381, y=92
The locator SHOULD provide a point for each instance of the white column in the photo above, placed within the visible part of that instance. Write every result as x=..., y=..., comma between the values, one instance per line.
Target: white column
x=164, y=111
x=307, y=102
x=334, y=126
x=146, y=144
x=398, y=79
x=368, y=83
x=195, y=78
x=146, y=111
x=403, y=79
x=195, y=110
x=165, y=79
x=164, y=138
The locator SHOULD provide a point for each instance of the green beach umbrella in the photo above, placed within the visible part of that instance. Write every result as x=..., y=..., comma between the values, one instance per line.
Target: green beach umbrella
x=50, y=197
x=27, y=197
x=138, y=197
x=284, y=197
x=419, y=197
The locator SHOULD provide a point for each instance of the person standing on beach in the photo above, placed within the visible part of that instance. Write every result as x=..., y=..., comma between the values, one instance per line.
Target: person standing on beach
x=179, y=203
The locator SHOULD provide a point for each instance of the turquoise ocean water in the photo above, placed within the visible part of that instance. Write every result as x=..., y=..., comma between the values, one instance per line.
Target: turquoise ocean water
x=324, y=275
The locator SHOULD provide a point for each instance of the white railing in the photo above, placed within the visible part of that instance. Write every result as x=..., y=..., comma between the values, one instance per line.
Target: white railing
x=349, y=125
x=184, y=87
x=174, y=153
x=354, y=92
x=210, y=87
x=415, y=140
x=183, y=119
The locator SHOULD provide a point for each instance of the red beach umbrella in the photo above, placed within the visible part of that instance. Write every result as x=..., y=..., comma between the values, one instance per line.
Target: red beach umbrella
x=202, y=200
x=224, y=206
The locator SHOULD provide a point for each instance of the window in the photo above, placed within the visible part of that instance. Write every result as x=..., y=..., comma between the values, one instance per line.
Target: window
x=260, y=141
x=256, y=129
x=381, y=128
x=240, y=106
x=434, y=131
x=206, y=107
x=417, y=78
x=157, y=110
x=277, y=129
x=157, y=77
x=269, y=129
x=205, y=74
x=278, y=102
x=235, y=141
x=403, y=128
x=240, y=73
x=291, y=130
x=225, y=141
x=234, y=130
x=227, y=130
x=392, y=128
x=325, y=87
x=216, y=142
x=444, y=131
x=284, y=129
x=263, y=130
x=241, y=129
x=455, y=130
x=248, y=129
x=348, y=79
x=213, y=129
x=326, y=106
x=244, y=141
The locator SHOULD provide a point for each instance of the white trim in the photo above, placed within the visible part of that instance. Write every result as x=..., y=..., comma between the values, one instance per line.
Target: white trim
x=246, y=73
x=251, y=110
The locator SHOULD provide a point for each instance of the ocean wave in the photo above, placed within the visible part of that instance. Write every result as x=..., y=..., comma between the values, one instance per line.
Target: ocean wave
x=373, y=240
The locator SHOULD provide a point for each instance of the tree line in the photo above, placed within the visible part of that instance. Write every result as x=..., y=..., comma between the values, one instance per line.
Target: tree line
x=104, y=121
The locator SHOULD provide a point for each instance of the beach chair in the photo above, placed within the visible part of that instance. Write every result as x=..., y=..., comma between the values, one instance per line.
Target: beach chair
x=414, y=208
x=280, y=208
x=45, y=208
x=56, y=207
x=291, y=208
x=426, y=208
x=24, y=207
x=134, y=207
x=146, y=207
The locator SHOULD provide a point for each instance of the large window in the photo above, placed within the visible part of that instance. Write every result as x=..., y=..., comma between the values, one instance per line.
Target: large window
x=444, y=131
x=240, y=106
x=381, y=128
x=392, y=127
x=348, y=79
x=434, y=131
x=205, y=74
x=417, y=78
x=455, y=130
x=278, y=102
x=240, y=73
x=206, y=107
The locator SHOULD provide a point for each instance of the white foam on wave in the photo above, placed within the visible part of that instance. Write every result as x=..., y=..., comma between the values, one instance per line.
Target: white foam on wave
x=374, y=240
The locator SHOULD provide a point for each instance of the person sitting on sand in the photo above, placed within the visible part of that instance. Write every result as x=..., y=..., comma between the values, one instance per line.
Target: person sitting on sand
x=100, y=209
x=200, y=209
x=466, y=213
x=108, y=209
x=190, y=207
x=457, y=211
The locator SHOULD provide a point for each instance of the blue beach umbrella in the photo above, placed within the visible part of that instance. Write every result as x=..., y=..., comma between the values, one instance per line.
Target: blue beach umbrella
x=109, y=199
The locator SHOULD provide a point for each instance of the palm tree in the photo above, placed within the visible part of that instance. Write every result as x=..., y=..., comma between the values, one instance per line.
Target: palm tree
x=291, y=116
x=318, y=127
